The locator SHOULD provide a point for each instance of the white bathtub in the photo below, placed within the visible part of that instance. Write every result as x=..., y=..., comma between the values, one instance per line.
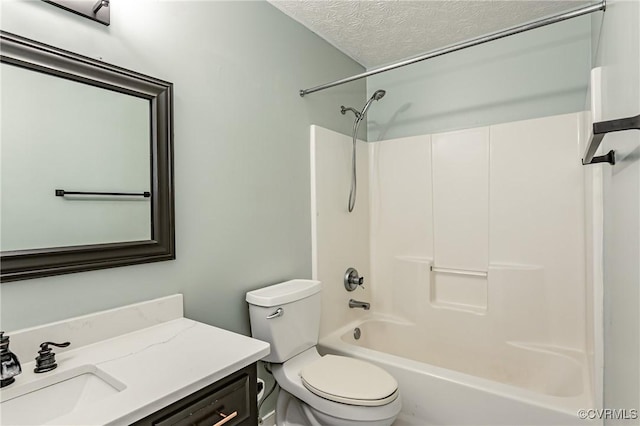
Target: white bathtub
x=443, y=383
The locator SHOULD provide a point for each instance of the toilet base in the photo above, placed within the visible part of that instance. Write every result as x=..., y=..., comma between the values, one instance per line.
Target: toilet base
x=290, y=411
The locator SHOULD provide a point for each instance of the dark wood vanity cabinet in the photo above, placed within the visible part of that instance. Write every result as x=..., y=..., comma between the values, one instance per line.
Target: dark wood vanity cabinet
x=230, y=402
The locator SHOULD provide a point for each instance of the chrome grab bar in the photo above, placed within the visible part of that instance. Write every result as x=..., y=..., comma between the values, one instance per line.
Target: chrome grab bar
x=460, y=271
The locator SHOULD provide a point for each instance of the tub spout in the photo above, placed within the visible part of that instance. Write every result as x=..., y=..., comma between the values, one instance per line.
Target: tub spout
x=358, y=304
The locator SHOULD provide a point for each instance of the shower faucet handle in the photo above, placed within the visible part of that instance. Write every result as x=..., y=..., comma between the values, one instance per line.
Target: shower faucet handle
x=352, y=279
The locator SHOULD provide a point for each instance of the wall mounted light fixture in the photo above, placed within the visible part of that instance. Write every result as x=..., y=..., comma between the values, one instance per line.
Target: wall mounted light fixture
x=98, y=12
x=100, y=5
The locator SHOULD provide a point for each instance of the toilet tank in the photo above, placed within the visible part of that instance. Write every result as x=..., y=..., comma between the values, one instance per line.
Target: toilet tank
x=293, y=308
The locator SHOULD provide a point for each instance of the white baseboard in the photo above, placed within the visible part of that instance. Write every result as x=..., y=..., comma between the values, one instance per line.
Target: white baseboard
x=268, y=419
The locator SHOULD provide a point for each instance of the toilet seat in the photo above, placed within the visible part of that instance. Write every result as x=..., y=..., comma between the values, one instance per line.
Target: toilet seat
x=288, y=376
x=349, y=381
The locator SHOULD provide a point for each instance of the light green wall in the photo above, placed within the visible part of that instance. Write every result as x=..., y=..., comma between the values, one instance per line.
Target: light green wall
x=534, y=74
x=241, y=150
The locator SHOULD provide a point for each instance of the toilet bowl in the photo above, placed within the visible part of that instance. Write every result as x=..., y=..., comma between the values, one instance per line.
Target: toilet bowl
x=316, y=390
x=340, y=401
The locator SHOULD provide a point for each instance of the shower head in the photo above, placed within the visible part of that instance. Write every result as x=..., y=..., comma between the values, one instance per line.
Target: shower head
x=377, y=95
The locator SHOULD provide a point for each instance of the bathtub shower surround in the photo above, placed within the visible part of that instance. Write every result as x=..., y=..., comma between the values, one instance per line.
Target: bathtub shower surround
x=477, y=254
x=340, y=240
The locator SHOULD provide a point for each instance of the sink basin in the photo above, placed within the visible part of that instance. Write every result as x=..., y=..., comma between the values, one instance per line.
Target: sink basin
x=53, y=396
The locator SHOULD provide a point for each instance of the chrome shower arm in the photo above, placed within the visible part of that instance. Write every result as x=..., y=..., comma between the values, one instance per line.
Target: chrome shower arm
x=343, y=111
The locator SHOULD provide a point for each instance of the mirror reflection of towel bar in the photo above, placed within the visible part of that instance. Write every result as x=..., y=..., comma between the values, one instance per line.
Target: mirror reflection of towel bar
x=62, y=193
x=460, y=271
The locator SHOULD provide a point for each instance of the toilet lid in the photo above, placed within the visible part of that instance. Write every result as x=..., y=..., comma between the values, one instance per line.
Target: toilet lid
x=349, y=381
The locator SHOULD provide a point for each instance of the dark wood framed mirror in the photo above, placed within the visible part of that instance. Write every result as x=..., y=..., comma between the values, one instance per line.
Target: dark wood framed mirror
x=151, y=241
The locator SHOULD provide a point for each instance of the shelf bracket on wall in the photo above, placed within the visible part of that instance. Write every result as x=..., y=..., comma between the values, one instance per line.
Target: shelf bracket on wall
x=600, y=129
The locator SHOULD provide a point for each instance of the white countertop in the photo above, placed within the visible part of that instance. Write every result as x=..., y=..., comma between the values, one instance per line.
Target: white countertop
x=158, y=365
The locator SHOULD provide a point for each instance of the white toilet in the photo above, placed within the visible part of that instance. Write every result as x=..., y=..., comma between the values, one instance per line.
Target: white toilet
x=316, y=390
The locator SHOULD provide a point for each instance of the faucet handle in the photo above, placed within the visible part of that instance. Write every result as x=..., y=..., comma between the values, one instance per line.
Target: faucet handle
x=352, y=279
x=46, y=359
x=45, y=345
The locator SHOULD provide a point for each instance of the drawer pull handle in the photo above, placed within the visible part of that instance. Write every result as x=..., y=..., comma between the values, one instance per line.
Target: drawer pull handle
x=225, y=418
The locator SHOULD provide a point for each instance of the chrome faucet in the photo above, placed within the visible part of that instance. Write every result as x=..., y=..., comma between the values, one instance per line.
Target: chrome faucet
x=10, y=365
x=357, y=304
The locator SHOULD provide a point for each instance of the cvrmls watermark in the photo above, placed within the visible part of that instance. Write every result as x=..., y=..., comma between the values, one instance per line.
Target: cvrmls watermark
x=609, y=414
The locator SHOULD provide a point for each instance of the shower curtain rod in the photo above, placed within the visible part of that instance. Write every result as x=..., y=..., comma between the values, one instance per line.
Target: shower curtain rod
x=463, y=45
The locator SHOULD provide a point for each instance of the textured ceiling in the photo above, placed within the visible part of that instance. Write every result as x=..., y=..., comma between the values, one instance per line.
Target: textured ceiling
x=379, y=32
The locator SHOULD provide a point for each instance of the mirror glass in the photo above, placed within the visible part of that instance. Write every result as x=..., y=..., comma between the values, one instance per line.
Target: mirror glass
x=86, y=163
x=60, y=134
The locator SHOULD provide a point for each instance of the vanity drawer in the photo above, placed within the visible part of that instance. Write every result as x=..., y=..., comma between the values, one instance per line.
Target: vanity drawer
x=229, y=402
x=228, y=406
